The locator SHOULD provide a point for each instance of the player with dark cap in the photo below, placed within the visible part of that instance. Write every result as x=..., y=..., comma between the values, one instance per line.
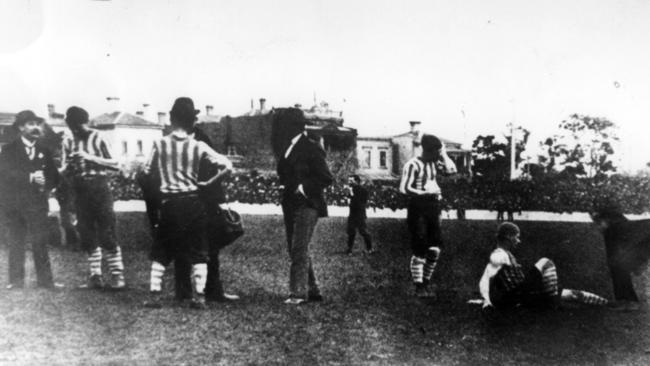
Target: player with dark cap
x=423, y=212
x=87, y=159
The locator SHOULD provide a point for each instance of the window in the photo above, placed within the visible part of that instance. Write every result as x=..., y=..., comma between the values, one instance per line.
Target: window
x=125, y=149
x=366, y=157
x=382, y=158
x=139, y=144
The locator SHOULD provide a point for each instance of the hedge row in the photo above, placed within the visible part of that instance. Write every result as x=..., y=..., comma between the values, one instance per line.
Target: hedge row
x=550, y=193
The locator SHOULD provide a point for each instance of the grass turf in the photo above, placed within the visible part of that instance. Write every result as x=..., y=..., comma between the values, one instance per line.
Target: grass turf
x=369, y=315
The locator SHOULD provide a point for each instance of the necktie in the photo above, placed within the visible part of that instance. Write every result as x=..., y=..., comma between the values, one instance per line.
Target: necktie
x=30, y=152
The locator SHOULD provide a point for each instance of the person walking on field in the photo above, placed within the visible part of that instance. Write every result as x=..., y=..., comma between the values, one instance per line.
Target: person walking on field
x=423, y=212
x=357, y=217
x=88, y=161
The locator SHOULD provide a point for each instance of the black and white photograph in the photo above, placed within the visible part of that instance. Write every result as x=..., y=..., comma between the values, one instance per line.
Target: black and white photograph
x=309, y=182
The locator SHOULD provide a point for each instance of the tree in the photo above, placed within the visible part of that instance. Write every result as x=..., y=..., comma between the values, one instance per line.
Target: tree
x=584, y=148
x=492, y=158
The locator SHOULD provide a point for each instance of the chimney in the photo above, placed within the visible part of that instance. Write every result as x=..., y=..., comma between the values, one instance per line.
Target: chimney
x=208, y=110
x=113, y=104
x=415, y=126
x=139, y=113
x=262, y=104
x=162, y=118
x=51, y=110
x=297, y=105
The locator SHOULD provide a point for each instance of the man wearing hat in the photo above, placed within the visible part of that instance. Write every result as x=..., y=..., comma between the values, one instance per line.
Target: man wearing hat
x=87, y=159
x=181, y=234
x=27, y=173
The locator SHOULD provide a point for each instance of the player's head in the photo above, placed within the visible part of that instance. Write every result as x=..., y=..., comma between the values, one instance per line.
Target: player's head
x=76, y=118
x=183, y=114
x=508, y=235
x=431, y=146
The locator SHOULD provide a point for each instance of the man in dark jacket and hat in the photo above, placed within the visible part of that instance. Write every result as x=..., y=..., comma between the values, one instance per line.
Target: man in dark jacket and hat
x=304, y=174
x=27, y=173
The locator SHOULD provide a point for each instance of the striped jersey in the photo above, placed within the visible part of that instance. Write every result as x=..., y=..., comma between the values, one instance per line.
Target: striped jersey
x=419, y=177
x=175, y=158
x=94, y=144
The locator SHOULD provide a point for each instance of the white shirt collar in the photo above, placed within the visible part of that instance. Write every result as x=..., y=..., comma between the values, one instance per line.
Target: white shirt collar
x=180, y=134
x=294, y=141
x=27, y=143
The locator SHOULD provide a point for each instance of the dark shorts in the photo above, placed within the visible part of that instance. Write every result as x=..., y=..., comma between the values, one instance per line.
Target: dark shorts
x=181, y=231
x=423, y=220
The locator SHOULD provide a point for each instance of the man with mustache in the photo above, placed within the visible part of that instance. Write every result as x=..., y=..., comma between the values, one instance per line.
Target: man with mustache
x=27, y=173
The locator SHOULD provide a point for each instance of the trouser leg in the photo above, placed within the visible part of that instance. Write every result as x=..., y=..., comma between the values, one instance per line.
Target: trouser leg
x=38, y=224
x=305, y=219
x=17, y=236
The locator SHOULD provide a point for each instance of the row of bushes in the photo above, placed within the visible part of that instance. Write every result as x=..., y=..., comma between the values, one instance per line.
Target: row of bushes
x=550, y=193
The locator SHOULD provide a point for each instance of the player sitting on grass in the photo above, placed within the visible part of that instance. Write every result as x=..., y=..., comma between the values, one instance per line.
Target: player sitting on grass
x=506, y=284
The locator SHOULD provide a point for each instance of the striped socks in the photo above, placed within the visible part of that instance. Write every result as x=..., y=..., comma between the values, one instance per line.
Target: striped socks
x=115, y=264
x=549, y=276
x=199, y=277
x=95, y=262
x=155, y=281
x=431, y=259
x=417, y=269
x=583, y=297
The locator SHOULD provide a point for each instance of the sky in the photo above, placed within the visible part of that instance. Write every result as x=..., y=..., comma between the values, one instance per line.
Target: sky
x=462, y=68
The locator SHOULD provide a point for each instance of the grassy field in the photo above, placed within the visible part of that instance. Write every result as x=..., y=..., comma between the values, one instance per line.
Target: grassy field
x=369, y=316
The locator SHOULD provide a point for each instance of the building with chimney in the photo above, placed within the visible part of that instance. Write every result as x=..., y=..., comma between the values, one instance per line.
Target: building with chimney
x=382, y=158
x=246, y=139
x=131, y=135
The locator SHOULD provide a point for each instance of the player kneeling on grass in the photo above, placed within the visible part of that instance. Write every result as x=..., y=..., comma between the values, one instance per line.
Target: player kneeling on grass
x=175, y=160
x=506, y=284
x=423, y=212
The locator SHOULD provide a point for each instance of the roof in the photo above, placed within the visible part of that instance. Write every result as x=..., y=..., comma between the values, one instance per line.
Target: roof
x=442, y=139
x=122, y=119
x=332, y=130
x=374, y=138
x=209, y=118
x=7, y=119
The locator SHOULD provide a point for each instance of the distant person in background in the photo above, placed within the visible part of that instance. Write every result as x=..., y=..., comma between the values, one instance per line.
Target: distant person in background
x=627, y=246
x=423, y=210
x=87, y=160
x=357, y=217
x=303, y=172
x=27, y=174
x=506, y=283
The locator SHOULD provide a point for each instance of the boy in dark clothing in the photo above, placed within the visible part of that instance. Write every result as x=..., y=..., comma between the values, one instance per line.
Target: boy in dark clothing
x=357, y=217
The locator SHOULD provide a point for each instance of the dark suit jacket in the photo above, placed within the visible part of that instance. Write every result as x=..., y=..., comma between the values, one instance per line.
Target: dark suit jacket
x=305, y=165
x=17, y=193
x=358, y=201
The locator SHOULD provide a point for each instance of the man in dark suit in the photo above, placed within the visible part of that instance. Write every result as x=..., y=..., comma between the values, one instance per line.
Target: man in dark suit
x=304, y=174
x=357, y=217
x=27, y=173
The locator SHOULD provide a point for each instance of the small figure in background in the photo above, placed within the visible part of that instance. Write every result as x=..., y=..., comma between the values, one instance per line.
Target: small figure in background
x=357, y=218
